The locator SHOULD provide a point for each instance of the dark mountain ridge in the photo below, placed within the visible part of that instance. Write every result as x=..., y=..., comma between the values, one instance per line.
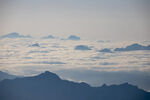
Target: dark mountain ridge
x=49, y=86
x=4, y=75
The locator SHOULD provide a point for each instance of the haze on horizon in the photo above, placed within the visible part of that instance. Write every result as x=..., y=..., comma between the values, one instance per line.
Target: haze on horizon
x=90, y=19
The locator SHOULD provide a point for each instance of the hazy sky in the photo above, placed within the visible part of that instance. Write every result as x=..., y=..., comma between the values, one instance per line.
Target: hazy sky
x=90, y=19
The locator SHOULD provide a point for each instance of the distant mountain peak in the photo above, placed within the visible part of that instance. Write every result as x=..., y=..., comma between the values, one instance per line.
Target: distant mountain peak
x=48, y=75
x=133, y=47
x=35, y=45
x=128, y=85
x=73, y=37
x=15, y=35
x=82, y=47
x=85, y=84
x=104, y=85
x=106, y=50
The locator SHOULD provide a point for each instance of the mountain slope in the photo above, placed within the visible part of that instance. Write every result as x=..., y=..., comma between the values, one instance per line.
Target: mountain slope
x=48, y=86
x=4, y=75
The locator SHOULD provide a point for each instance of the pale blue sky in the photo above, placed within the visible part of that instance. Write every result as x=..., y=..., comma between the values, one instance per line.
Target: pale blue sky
x=89, y=19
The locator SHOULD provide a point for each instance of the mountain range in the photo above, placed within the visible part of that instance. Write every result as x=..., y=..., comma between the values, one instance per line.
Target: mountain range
x=49, y=86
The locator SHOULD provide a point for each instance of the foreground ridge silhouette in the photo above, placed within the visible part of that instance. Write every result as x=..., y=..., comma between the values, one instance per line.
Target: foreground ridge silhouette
x=49, y=86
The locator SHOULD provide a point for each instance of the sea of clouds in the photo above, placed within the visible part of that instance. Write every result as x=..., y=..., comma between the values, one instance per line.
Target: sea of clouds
x=20, y=57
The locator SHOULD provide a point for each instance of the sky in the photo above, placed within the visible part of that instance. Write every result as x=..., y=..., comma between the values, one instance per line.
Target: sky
x=90, y=19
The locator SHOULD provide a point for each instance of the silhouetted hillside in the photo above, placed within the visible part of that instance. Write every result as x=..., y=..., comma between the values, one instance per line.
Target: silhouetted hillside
x=4, y=75
x=48, y=86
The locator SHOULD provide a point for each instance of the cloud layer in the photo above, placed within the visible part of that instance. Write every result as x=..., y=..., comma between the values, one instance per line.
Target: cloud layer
x=18, y=57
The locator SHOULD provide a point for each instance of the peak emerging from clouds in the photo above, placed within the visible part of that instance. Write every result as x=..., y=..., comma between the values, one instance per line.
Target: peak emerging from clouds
x=106, y=50
x=15, y=35
x=133, y=47
x=73, y=37
x=82, y=47
x=35, y=45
